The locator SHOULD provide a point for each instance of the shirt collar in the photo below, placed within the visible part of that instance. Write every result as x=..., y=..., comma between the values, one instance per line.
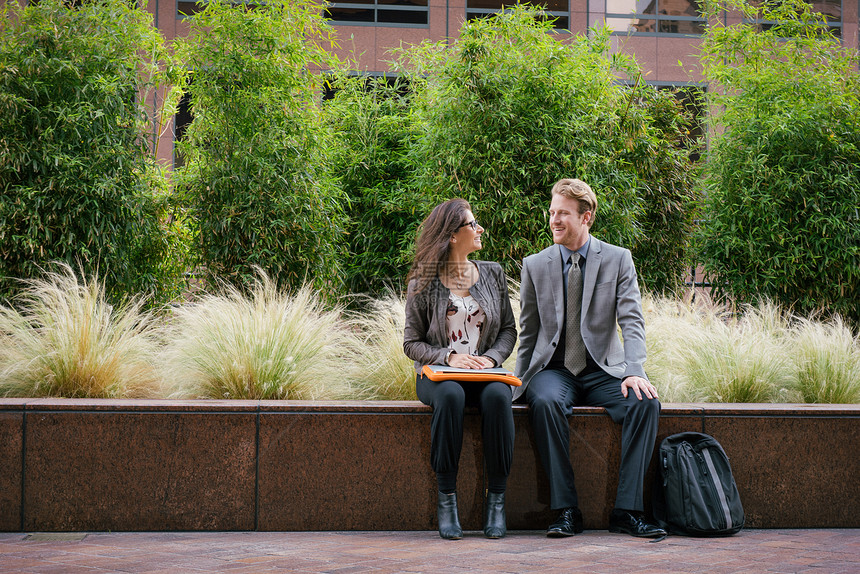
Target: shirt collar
x=583, y=251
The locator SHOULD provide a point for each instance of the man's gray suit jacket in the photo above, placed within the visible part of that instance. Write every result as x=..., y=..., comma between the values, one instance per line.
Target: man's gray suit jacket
x=610, y=298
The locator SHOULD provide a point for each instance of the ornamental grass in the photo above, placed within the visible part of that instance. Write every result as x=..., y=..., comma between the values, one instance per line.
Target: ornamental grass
x=702, y=352
x=61, y=338
x=264, y=344
x=380, y=369
x=826, y=357
x=709, y=353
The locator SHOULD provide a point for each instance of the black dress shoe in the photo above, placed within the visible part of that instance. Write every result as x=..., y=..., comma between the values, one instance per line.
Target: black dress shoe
x=633, y=524
x=449, y=520
x=568, y=523
x=494, y=515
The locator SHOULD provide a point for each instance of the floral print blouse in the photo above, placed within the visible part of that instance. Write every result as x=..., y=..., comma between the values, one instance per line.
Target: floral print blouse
x=465, y=321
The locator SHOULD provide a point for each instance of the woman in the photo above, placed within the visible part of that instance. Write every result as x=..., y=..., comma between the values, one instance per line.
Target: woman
x=458, y=313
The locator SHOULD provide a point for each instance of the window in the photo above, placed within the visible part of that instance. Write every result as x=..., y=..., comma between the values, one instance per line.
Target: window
x=190, y=7
x=181, y=121
x=692, y=98
x=353, y=12
x=379, y=12
x=185, y=8
x=400, y=86
x=558, y=10
x=655, y=17
x=830, y=9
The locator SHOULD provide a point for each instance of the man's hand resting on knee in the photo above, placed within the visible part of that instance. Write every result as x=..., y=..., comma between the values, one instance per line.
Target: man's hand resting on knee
x=640, y=386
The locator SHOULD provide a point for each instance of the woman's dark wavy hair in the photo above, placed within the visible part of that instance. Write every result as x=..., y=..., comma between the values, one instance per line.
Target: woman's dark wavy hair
x=434, y=240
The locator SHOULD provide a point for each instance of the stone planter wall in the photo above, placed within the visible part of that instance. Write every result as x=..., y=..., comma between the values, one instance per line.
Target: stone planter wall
x=98, y=465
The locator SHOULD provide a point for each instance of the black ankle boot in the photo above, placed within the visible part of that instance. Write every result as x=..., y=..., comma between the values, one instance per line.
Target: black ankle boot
x=494, y=515
x=449, y=520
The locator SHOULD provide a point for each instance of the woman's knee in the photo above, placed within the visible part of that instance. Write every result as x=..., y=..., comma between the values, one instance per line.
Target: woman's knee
x=449, y=395
x=496, y=396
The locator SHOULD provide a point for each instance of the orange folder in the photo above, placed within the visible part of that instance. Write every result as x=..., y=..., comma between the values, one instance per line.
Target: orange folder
x=446, y=373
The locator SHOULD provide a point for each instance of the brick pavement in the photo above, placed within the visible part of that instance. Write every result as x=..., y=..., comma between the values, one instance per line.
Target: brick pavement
x=782, y=551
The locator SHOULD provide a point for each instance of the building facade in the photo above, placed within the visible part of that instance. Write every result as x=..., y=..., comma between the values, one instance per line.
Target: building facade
x=663, y=35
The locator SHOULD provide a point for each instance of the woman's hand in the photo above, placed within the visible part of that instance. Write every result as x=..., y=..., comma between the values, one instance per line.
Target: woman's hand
x=469, y=362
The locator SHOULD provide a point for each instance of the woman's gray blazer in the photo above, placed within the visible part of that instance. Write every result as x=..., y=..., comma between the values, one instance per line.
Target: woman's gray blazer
x=425, y=338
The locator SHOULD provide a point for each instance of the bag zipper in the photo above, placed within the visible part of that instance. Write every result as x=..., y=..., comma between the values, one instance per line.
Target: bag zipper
x=703, y=466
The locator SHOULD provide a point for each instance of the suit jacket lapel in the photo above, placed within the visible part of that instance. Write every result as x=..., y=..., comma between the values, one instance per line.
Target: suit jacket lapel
x=592, y=265
x=556, y=281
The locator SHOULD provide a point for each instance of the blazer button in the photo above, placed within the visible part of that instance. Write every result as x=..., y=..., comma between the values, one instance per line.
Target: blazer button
x=553, y=343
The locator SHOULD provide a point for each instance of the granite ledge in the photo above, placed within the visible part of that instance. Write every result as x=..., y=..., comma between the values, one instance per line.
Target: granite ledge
x=400, y=407
x=103, y=443
x=7, y=404
x=136, y=405
x=781, y=410
x=383, y=407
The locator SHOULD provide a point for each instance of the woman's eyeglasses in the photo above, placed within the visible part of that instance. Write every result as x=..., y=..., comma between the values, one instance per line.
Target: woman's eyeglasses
x=473, y=223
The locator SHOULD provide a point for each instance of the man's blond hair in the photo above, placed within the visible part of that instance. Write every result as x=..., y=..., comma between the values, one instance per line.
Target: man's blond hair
x=579, y=191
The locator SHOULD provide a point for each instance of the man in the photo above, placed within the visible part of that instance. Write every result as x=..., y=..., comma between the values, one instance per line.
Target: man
x=573, y=296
